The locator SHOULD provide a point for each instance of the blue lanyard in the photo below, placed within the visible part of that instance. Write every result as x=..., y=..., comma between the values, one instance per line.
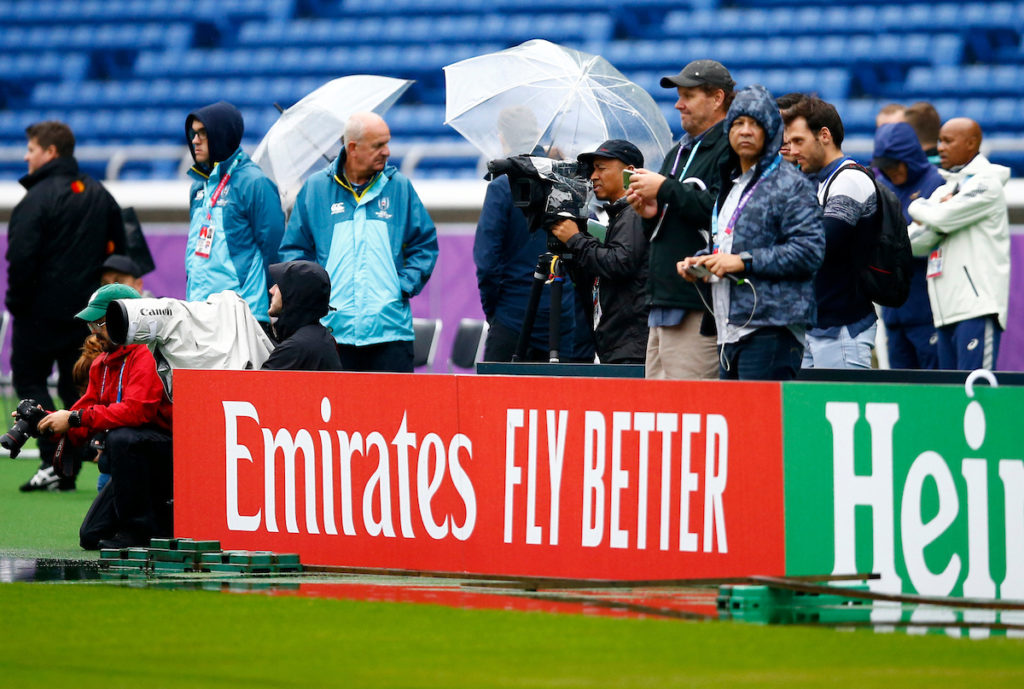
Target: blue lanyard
x=682, y=175
x=740, y=206
x=120, y=377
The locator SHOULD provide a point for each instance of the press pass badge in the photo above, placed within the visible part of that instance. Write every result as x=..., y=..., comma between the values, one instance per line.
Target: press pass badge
x=205, y=241
x=934, y=264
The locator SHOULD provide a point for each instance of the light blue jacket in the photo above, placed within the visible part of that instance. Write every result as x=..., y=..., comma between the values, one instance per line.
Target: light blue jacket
x=247, y=224
x=378, y=250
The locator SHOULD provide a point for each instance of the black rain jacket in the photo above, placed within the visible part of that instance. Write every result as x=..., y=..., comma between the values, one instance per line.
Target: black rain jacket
x=621, y=265
x=304, y=343
x=57, y=239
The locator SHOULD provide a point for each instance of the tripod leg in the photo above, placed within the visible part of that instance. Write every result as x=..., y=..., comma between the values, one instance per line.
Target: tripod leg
x=555, y=324
x=540, y=276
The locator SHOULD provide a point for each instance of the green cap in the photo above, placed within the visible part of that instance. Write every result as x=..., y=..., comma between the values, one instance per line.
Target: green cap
x=102, y=297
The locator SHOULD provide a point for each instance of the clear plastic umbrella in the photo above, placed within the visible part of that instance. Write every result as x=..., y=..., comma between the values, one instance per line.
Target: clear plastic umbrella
x=543, y=94
x=308, y=134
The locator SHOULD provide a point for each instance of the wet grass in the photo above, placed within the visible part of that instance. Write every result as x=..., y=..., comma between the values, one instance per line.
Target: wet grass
x=91, y=634
x=98, y=636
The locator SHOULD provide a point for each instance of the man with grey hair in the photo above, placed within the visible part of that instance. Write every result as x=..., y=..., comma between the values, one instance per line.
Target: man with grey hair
x=363, y=222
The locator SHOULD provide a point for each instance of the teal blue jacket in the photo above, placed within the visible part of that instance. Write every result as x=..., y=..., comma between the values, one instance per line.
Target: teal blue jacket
x=378, y=250
x=247, y=224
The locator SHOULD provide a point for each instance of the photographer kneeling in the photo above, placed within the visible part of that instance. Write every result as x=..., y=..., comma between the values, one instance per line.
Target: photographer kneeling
x=126, y=399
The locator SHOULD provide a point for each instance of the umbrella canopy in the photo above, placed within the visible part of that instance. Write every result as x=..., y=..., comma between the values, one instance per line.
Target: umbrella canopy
x=541, y=93
x=309, y=133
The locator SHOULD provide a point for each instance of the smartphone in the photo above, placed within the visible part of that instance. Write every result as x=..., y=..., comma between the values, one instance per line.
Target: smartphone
x=626, y=175
x=698, y=271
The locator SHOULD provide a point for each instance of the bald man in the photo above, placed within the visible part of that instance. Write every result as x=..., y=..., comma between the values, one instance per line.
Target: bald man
x=362, y=221
x=963, y=228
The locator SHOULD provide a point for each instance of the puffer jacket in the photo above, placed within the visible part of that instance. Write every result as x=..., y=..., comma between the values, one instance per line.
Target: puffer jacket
x=972, y=231
x=379, y=250
x=247, y=221
x=898, y=141
x=781, y=226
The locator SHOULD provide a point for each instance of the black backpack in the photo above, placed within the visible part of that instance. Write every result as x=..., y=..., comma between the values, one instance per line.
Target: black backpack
x=885, y=261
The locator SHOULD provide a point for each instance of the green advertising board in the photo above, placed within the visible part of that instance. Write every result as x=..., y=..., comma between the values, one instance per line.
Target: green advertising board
x=922, y=484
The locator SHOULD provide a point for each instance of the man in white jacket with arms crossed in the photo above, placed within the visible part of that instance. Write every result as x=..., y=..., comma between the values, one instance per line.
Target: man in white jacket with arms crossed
x=964, y=229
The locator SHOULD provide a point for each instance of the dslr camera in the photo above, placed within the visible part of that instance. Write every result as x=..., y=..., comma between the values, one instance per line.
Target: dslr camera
x=545, y=190
x=27, y=417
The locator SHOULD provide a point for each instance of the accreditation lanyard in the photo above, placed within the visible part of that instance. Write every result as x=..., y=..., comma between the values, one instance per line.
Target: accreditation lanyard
x=206, y=232
x=715, y=239
x=120, y=377
x=682, y=175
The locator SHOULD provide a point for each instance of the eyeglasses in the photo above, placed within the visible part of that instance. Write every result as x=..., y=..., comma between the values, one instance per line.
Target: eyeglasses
x=96, y=327
x=193, y=133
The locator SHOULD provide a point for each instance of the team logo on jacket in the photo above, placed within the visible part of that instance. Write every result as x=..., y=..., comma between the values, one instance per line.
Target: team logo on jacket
x=200, y=194
x=972, y=345
x=337, y=208
x=382, y=209
x=222, y=200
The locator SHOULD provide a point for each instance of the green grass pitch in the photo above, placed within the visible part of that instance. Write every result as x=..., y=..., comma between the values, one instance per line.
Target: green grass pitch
x=92, y=634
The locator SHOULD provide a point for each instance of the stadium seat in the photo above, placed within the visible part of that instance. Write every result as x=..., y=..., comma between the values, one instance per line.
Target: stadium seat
x=427, y=333
x=468, y=345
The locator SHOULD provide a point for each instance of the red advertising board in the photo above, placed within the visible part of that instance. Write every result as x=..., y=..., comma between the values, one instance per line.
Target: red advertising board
x=552, y=477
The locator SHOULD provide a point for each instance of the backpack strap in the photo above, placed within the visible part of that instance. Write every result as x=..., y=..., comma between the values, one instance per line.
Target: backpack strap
x=854, y=165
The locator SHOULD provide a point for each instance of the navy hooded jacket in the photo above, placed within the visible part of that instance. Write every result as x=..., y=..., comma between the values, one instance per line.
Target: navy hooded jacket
x=231, y=244
x=897, y=141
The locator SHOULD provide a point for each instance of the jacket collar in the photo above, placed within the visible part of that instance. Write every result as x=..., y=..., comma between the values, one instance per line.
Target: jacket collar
x=66, y=165
x=200, y=173
x=337, y=174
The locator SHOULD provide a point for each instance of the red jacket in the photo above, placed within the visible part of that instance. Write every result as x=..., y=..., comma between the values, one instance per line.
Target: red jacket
x=124, y=390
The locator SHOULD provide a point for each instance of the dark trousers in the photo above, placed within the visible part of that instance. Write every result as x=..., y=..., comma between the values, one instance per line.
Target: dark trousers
x=970, y=344
x=136, y=501
x=387, y=357
x=35, y=347
x=771, y=353
x=913, y=347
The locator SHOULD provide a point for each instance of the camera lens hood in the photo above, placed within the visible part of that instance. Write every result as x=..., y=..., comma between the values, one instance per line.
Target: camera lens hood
x=117, y=322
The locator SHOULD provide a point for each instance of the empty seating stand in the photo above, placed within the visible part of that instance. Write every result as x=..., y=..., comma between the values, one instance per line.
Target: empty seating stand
x=125, y=71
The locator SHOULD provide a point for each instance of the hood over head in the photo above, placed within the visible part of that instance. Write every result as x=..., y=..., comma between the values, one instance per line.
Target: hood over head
x=897, y=142
x=305, y=295
x=756, y=102
x=224, y=129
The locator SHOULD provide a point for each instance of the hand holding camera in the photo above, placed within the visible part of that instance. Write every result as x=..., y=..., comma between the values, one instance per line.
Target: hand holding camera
x=26, y=425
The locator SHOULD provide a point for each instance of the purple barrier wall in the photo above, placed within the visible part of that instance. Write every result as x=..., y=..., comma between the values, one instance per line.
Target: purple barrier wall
x=452, y=294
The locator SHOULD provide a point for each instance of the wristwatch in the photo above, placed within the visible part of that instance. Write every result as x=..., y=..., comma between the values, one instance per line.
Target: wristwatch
x=75, y=418
x=748, y=261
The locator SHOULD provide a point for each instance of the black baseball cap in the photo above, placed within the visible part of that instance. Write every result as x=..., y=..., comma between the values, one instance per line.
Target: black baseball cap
x=122, y=264
x=701, y=72
x=619, y=149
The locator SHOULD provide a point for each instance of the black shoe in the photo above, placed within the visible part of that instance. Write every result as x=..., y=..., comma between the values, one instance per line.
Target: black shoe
x=122, y=540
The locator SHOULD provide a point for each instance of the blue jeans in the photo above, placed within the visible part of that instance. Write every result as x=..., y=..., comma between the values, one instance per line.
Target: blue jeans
x=970, y=344
x=842, y=351
x=772, y=353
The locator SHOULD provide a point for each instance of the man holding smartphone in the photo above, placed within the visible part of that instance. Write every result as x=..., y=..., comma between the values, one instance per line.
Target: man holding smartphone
x=676, y=204
x=611, y=278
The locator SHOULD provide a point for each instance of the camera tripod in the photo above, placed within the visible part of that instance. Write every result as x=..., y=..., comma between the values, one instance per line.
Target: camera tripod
x=550, y=269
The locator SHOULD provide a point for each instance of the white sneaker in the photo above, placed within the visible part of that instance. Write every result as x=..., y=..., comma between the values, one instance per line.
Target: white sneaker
x=45, y=479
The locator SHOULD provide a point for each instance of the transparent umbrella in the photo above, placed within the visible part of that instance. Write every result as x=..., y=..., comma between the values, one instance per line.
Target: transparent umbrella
x=309, y=133
x=543, y=94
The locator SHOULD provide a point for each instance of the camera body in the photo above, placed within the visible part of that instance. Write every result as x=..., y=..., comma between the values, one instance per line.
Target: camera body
x=27, y=417
x=545, y=190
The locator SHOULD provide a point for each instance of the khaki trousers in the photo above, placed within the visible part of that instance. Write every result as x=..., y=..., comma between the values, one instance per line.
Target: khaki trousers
x=680, y=352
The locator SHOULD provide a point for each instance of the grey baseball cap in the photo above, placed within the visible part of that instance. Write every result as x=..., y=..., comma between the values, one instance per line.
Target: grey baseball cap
x=701, y=72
